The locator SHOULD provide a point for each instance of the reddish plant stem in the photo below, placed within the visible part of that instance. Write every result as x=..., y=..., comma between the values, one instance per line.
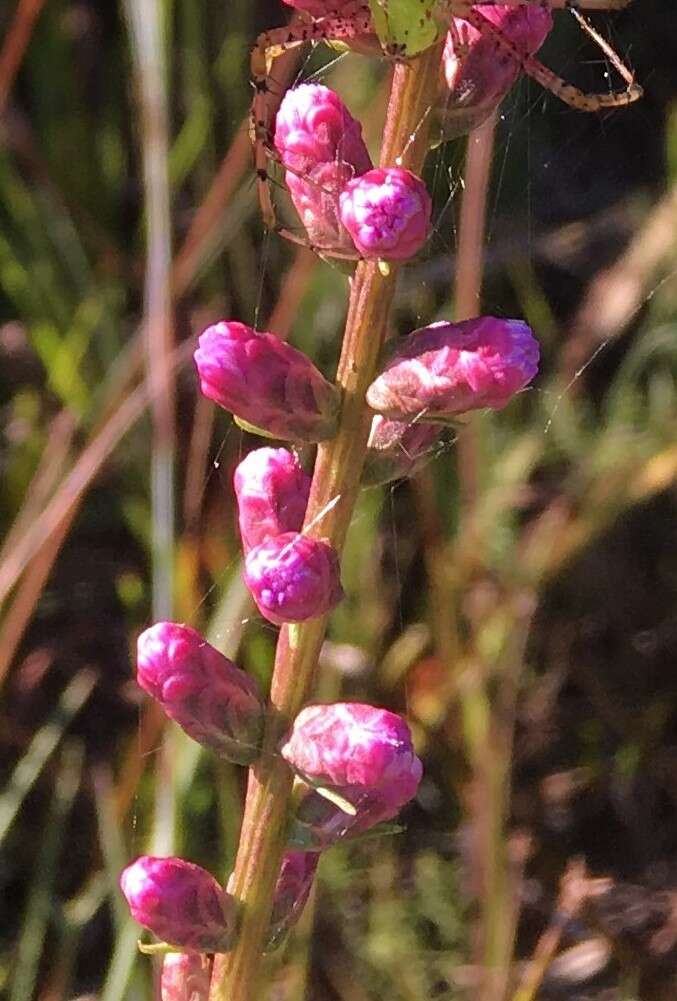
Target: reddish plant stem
x=333, y=494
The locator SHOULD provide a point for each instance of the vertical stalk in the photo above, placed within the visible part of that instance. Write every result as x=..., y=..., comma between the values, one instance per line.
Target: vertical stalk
x=148, y=46
x=489, y=757
x=333, y=493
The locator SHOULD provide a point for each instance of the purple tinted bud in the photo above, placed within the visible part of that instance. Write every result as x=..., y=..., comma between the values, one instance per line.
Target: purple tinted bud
x=179, y=902
x=291, y=893
x=363, y=753
x=266, y=382
x=397, y=449
x=272, y=491
x=293, y=578
x=313, y=126
x=316, y=199
x=387, y=213
x=480, y=76
x=185, y=977
x=321, y=145
x=216, y=703
x=450, y=368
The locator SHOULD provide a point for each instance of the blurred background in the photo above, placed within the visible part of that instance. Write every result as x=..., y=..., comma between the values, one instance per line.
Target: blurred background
x=517, y=599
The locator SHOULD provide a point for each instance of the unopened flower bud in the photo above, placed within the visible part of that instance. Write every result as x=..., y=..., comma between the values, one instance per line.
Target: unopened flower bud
x=272, y=490
x=215, y=702
x=179, y=902
x=481, y=74
x=387, y=213
x=396, y=449
x=185, y=977
x=321, y=145
x=316, y=200
x=362, y=753
x=313, y=126
x=450, y=368
x=291, y=893
x=266, y=382
x=293, y=577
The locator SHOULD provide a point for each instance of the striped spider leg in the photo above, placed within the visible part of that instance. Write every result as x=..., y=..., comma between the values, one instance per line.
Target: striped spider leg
x=549, y=80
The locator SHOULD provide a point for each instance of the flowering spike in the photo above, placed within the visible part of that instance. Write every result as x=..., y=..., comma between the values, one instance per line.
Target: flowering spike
x=185, y=977
x=215, y=702
x=179, y=902
x=321, y=145
x=362, y=752
x=450, y=368
x=272, y=491
x=479, y=77
x=266, y=382
x=291, y=893
x=293, y=577
x=396, y=449
x=387, y=213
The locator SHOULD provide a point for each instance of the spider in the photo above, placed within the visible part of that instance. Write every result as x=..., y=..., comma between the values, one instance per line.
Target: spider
x=354, y=24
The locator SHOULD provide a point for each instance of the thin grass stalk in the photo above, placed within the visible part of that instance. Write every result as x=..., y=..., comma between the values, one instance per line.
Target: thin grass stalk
x=40, y=903
x=333, y=494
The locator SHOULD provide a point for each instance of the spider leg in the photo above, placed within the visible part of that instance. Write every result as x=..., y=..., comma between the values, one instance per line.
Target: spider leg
x=270, y=45
x=566, y=92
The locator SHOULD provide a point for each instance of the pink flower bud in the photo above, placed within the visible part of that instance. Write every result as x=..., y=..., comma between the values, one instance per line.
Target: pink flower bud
x=313, y=126
x=397, y=449
x=387, y=213
x=266, y=382
x=363, y=753
x=479, y=77
x=321, y=145
x=316, y=199
x=216, y=703
x=185, y=977
x=272, y=491
x=291, y=893
x=179, y=902
x=450, y=368
x=293, y=578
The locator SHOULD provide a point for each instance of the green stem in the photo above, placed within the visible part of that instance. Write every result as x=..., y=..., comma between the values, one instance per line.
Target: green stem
x=333, y=494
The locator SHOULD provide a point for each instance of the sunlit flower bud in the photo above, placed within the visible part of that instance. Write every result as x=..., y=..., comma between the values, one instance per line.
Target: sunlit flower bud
x=316, y=199
x=291, y=893
x=363, y=753
x=314, y=126
x=481, y=74
x=185, y=977
x=387, y=213
x=215, y=702
x=321, y=145
x=397, y=449
x=293, y=577
x=272, y=490
x=266, y=382
x=450, y=368
x=179, y=902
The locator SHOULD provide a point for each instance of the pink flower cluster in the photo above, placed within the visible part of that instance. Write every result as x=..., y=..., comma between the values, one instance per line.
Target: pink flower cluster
x=344, y=204
x=358, y=768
